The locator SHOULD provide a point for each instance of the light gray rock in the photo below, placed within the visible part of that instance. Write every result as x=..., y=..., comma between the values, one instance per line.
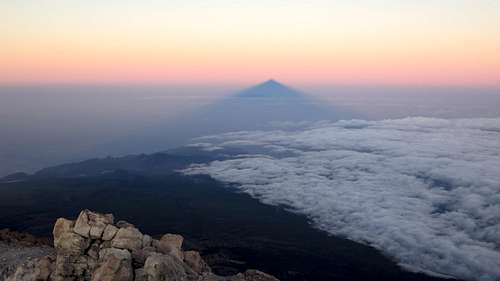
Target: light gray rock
x=159, y=267
x=114, y=265
x=93, y=249
x=91, y=224
x=70, y=243
x=122, y=254
x=82, y=226
x=123, y=224
x=97, y=230
x=127, y=238
x=109, y=232
x=98, y=223
x=61, y=226
x=171, y=244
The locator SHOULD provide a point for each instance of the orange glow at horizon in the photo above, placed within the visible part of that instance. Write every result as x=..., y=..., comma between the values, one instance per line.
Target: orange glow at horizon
x=227, y=42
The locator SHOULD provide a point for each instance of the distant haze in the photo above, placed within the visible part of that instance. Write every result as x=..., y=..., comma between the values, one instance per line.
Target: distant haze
x=47, y=125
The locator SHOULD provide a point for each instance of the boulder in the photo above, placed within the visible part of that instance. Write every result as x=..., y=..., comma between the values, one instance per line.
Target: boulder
x=114, y=265
x=82, y=226
x=61, y=226
x=120, y=253
x=123, y=224
x=171, y=244
x=109, y=232
x=159, y=267
x=91, y=224
x=194, y=260
x=129, y=238
x=70, y=243
x=93, y=249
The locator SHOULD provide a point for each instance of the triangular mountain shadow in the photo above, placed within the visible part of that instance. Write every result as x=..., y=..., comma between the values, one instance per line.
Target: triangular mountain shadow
x=256, y=108
x=269, y=89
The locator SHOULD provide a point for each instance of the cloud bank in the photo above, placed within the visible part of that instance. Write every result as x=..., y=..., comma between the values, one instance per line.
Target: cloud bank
x=425, y=191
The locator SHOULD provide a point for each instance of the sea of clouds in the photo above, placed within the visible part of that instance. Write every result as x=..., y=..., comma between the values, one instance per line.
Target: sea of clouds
x=425, y=191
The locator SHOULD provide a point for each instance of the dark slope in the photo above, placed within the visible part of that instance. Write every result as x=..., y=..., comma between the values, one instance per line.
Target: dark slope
x=232, y=230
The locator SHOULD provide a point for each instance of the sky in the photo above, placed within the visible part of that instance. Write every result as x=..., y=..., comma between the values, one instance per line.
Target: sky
x=453, y=42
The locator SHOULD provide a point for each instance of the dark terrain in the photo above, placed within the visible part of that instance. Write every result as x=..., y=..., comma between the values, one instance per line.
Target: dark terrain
x=233, y=231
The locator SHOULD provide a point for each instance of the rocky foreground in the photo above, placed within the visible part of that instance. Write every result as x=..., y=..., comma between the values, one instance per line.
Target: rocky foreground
x=95, y=248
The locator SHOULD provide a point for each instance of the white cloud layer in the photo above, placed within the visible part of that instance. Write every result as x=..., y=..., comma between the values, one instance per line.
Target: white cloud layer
x=425, y=191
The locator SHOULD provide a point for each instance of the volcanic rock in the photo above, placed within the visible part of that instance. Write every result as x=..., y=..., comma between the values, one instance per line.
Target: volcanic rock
x=94, y=249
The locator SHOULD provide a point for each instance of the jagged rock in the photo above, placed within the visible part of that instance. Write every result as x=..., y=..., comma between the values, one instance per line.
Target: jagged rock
x=159, y=267
x=97, y=230
x=123, y=224
x=70, y=243
x=127, y=238
x=109, y=232
x=38, y=269
x=93, y=249
x=115, y=265
x=91, y=224
x=171, y=244
x=61, y=226
x=194, y=260
x=82, y=225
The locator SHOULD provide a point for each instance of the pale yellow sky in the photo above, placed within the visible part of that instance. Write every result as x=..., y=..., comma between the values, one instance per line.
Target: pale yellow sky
x=355, y=41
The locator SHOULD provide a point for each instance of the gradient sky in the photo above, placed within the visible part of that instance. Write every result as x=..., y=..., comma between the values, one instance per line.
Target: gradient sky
x=317, y=41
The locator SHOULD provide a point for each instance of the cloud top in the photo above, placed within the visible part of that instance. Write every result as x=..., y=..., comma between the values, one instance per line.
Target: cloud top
x=425, y=191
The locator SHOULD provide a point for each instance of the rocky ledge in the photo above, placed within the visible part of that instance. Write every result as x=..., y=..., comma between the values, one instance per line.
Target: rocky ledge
x=95, y=248
x=17, y=248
